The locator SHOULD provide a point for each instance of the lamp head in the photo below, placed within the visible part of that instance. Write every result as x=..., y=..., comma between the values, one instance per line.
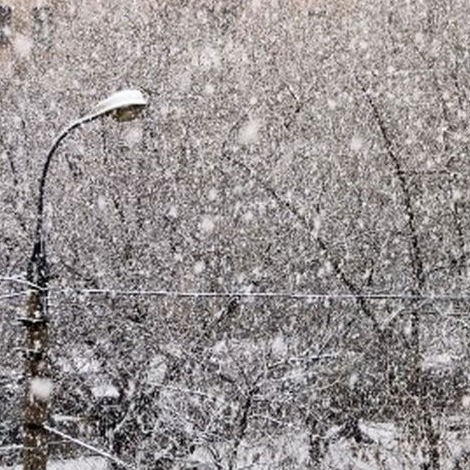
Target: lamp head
x=123, y=105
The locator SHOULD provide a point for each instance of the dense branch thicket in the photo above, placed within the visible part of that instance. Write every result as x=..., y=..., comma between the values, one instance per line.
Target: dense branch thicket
x=298, y=146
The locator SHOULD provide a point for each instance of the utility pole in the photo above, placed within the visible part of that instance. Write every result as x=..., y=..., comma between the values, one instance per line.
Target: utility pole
x=40, y=386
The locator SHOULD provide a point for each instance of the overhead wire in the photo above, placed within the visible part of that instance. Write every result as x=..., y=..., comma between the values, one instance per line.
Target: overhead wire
x=306, y=296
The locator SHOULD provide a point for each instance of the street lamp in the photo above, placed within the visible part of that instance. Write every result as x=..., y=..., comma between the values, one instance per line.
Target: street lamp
x=123, y=105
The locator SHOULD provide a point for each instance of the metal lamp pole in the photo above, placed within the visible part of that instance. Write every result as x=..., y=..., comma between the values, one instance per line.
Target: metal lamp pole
x=123, y=105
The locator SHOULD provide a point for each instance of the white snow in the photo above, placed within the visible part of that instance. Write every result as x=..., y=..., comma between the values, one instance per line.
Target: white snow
x=438, y=361
x=466, y=401
x=248, y=216
x=199, y=267
x=173, y=212
x=207, y=58
x=133, y=135
x=105, y=391
x=212, y=195
x=353, y=380
x=207, y=224
x=101, y=203
x=249, y=132
x=84, y=363
x=157, y=370
x=41, y=388
x=357, y=143
x=22, y=46
x=209, y=89
x=332, y=104
x=279, y=346
x=83, y=463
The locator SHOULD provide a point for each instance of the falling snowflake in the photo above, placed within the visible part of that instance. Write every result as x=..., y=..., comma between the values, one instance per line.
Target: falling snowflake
x=357, y=143
x=207, y=224
x=22, y=46
x=249, y=132
x=41, y=388
x=199, y=267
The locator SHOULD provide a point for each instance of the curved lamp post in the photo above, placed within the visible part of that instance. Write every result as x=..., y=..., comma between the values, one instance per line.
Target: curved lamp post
x=123, y=105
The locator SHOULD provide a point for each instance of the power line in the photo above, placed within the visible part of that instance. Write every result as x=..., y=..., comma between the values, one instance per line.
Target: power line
x=307, y=296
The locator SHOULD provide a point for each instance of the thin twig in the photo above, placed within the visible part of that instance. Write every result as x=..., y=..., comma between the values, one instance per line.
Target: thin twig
x=18, y=280
x=12, y=295
x=89, y=447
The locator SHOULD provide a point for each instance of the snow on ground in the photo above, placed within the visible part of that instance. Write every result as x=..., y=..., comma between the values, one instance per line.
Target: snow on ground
x=84, y=463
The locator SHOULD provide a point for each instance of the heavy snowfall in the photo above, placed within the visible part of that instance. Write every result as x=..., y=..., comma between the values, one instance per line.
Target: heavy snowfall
x=261, y=262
